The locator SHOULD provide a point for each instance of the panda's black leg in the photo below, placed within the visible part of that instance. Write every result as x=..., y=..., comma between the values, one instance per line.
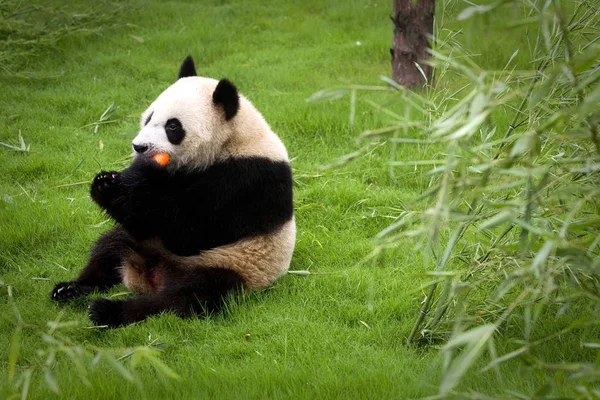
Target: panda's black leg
x=190, y=293
x=102, y=270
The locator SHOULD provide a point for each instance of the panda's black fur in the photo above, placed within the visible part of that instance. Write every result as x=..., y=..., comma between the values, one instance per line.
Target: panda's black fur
x=169, y=219
x=236, y=198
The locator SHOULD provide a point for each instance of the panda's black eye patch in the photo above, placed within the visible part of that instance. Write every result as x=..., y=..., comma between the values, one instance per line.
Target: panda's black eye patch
x=175, y=131
x=149, y=118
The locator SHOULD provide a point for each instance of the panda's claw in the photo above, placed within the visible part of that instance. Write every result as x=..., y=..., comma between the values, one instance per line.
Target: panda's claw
x=106, y=179
x=66, y=290
x=103, y=186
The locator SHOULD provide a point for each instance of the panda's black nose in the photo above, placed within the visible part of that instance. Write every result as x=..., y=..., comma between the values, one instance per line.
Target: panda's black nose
x=140, y=148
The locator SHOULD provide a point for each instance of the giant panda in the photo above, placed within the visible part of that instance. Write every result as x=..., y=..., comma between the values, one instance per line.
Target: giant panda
x=218, y=218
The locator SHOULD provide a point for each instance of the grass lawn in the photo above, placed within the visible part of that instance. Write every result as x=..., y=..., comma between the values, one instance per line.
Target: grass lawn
x=337, y=333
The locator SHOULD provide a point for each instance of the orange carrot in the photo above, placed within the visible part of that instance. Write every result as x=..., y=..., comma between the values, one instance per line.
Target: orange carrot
x=162, y=158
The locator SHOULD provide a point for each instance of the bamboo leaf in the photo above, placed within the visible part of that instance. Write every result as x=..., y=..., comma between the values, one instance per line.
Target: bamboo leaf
x=421, y=72
x=470, y=128
x=469, y=337
x=505, y=358
x=327, y=95
x=26, y=383
x=511, y=58
x=497, y=219
x=475, y=340
x=162, y=367
x=13, y=353
x=591, y=101
x=474, y=10
x=299, y=272
x=542, y=256
x=522, y=145
x=51, y=381
x=121, y=370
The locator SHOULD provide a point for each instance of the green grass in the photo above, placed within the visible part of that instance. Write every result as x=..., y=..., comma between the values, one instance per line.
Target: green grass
x=338, y=333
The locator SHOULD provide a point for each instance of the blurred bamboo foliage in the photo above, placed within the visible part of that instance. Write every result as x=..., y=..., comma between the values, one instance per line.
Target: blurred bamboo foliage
x=517, y=205
x=511, y=219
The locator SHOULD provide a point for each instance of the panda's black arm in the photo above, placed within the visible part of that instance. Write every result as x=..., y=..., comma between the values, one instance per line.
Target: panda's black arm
x=199, y=210
x=133, y=197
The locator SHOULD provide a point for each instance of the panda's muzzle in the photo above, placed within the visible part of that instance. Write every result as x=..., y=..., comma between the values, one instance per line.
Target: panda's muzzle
x=140, y=148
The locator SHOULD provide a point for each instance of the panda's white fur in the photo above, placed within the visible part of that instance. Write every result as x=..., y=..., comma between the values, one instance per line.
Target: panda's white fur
x=260, y=260
x=209, y=136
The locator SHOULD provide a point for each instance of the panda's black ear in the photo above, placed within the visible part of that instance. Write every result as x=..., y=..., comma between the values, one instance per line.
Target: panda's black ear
x=226, y=95
x=187, y=68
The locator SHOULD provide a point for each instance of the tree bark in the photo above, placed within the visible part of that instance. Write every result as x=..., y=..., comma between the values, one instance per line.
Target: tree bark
x=413, y=28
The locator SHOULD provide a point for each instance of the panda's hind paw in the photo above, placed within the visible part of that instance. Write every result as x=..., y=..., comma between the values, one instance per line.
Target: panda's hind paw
x=67, y=290
x=105, y=312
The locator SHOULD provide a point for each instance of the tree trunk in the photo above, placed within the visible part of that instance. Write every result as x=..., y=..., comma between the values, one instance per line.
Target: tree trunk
x=413, y=28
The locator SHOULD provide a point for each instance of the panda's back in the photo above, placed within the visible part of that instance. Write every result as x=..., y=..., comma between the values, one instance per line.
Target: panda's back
x=233, y=199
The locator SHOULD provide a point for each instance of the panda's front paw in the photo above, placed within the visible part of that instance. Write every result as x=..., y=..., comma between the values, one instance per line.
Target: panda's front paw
x=68, y=290
x=105, y=312
x=104, y=186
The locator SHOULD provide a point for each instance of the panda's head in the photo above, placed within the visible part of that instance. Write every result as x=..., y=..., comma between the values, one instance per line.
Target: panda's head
x=191, y=120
